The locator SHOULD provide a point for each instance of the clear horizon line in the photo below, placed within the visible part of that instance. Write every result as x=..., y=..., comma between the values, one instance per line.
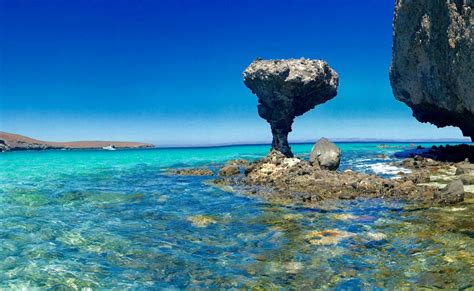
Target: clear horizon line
x=340, y=140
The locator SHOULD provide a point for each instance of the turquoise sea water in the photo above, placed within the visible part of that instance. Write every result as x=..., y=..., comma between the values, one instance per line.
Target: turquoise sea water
x=116, y=219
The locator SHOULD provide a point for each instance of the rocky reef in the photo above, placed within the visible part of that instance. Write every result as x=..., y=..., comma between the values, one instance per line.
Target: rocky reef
x=287, y=89
x=280, y=179
x=432, y=67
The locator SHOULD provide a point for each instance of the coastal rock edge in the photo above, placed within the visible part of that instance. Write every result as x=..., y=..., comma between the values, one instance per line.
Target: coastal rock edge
x=433, y=63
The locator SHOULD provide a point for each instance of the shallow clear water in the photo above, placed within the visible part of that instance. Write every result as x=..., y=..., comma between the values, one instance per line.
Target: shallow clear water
x=103, y=219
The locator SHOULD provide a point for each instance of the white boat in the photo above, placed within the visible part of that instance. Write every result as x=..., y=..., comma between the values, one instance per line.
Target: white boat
x=109, y=148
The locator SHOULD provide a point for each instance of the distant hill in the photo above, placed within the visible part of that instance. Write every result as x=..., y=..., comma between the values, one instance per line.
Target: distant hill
x=16, y=142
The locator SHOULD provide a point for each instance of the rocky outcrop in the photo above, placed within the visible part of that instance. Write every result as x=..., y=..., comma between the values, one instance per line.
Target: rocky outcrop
x=229, y=170
x=16, y=142
x=284, y=180
x=448, y=153
x=433, y=63
x=326, y=155
x=289, y=88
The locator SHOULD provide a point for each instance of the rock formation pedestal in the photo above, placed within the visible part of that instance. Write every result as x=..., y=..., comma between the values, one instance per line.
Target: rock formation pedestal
x=289, y=88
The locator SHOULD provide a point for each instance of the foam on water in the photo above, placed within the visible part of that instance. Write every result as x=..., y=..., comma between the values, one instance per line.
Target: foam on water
x=386, y=169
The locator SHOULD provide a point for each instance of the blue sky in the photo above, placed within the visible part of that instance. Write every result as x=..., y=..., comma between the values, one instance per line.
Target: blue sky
x=170, y=71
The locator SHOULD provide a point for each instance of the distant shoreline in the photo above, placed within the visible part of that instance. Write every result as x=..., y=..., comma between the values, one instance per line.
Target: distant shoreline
x=15, y=142
x=348, y=141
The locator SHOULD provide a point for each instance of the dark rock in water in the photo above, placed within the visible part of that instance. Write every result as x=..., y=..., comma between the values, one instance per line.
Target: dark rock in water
x=193, y=172
x=289, y=88
x=451, y=194
x=229, y=170
x=433, y=62
x=347, y=196
x=455, y=154
x=325, y=154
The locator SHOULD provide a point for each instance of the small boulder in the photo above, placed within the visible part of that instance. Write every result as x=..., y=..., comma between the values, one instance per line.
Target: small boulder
x=325, y=154
x=408, y=163
x=464, y=168
x=451, y=194
x=229, y=170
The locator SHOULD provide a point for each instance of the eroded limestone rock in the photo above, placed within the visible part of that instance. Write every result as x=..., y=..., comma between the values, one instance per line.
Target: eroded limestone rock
x=433, y=65
x=289, y=88
x=286, y=180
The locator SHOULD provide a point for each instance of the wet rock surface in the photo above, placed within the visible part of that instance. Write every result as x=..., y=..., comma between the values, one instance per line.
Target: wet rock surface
x=448, y=153
x=326, y=155
x=287, y=89
x=464, y=168
x=451, y=194
x=229, y=170
x=280, y=179
x=433, y=66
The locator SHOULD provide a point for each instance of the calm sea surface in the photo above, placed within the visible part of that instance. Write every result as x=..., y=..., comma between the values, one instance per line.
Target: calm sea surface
x=115, y=219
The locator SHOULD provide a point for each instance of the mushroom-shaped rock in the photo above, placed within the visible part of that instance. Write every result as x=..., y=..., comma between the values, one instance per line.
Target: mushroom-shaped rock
x=325, y=154
x=289, y=88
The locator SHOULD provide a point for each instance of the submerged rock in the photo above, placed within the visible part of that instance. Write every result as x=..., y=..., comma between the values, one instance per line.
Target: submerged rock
x=344, y=217
x=201, y=220
x=327, y=237
x=325, y=154
x=193, y=172
x=376, y=236
x=287, y=89
x=433, y=65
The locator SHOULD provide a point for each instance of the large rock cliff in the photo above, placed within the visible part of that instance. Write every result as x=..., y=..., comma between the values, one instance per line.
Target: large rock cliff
x=289, y=88
x=432, y=68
